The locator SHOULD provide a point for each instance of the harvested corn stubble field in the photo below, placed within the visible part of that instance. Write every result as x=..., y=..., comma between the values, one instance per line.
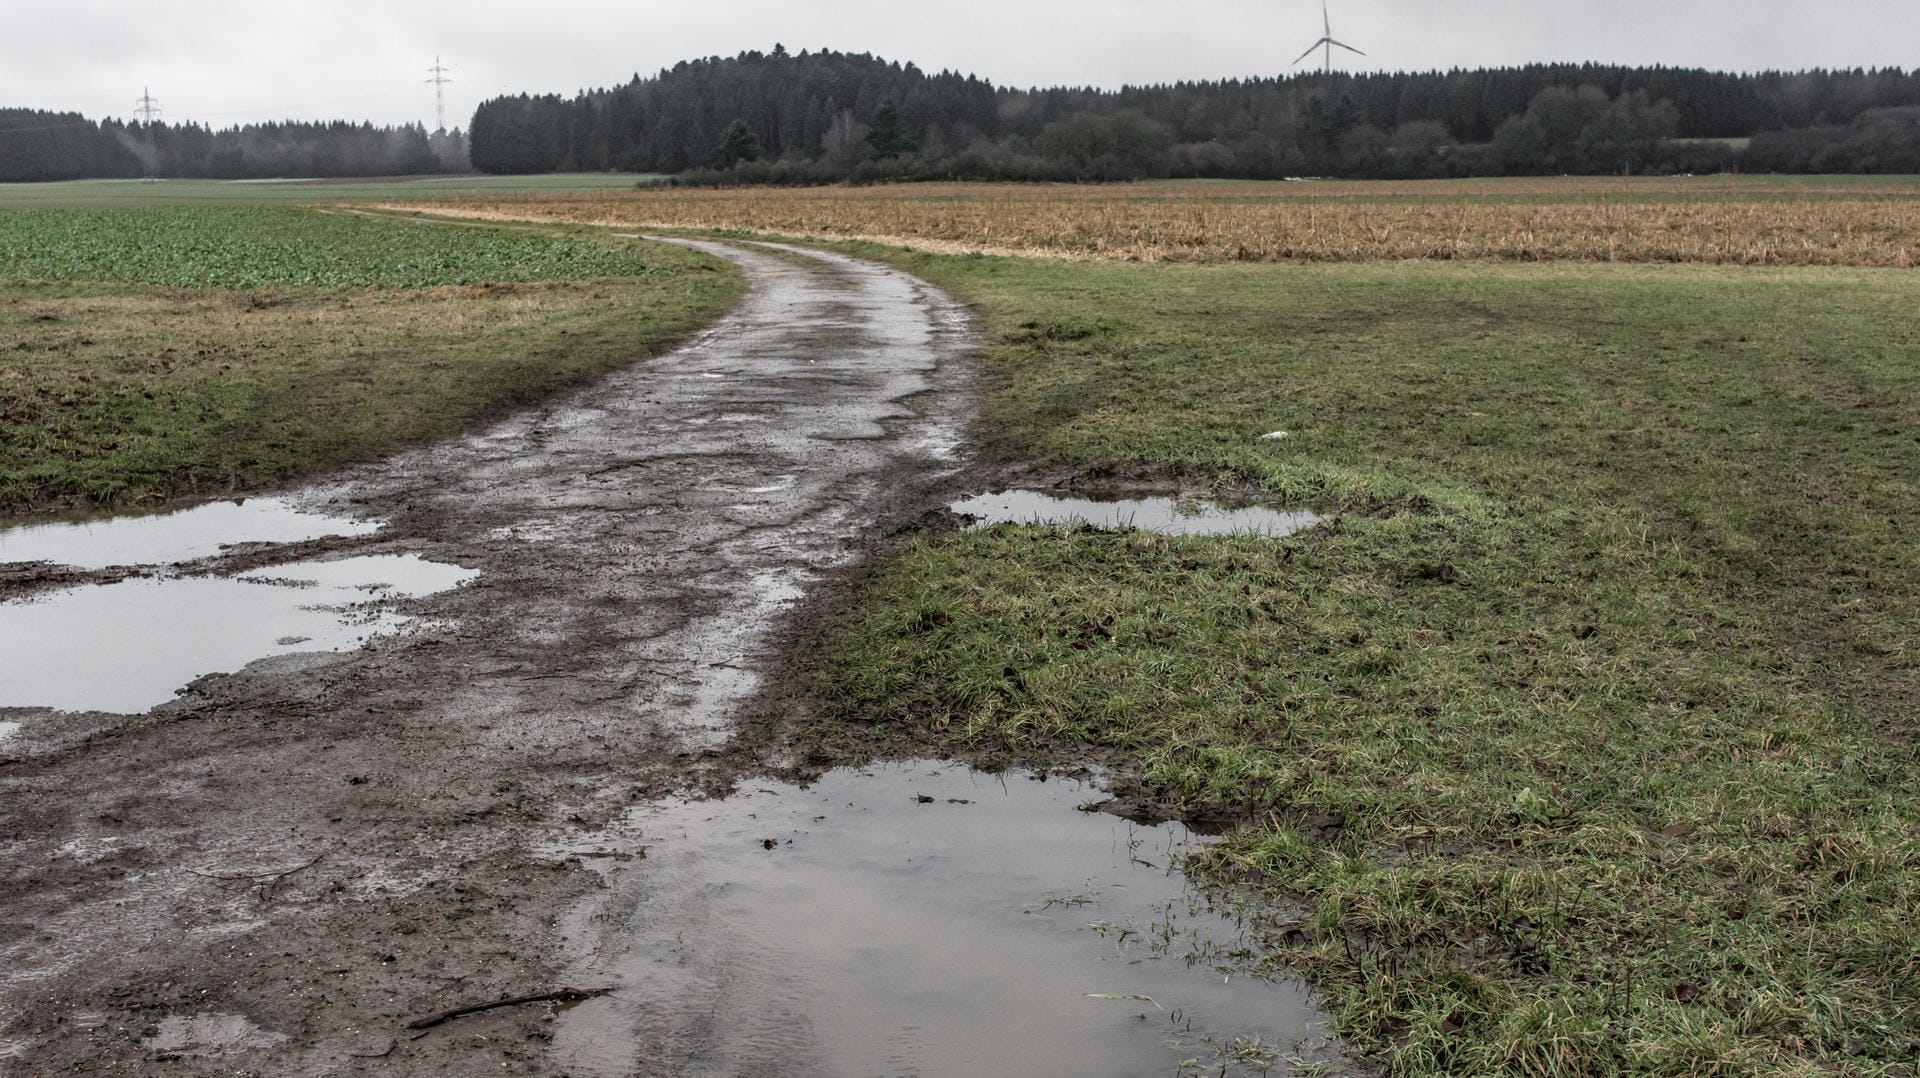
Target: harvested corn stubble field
x=1785, y=221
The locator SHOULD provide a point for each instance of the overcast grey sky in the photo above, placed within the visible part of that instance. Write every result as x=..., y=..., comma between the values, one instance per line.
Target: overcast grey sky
x=225, y=62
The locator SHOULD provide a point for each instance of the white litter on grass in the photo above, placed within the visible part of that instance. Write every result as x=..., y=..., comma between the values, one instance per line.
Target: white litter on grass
x=1275, y=436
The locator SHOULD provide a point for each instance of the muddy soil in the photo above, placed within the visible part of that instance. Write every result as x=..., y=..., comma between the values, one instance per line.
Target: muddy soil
x=282, y=868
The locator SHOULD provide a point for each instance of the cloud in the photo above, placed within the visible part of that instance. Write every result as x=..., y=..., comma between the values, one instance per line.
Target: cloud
x=226, y=61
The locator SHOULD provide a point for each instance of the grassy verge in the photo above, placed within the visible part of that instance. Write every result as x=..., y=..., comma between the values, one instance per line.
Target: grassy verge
x=1580, y=742
x=150, y=355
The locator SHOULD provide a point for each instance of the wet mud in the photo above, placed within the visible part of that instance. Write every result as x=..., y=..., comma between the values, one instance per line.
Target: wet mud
x=279, y=868
x=509, y=783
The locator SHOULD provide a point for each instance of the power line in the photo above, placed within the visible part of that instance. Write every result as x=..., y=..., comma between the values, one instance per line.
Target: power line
x=149, y=108
x=439, y=81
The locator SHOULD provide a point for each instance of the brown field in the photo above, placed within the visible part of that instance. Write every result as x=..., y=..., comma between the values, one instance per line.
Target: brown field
x=1727, y=220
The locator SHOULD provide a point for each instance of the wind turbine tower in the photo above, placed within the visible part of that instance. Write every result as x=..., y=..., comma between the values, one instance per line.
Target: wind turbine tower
x=1326, y=42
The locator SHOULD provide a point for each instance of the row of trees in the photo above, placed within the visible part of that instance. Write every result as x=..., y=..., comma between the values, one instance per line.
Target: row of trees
x=812, y=117
x=1878, y=141
x=791, y=105
x=36, y=145
x=825, y=116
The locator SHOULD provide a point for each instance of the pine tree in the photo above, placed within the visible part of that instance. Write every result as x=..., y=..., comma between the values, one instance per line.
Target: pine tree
x=738, y=144
x=888, y=133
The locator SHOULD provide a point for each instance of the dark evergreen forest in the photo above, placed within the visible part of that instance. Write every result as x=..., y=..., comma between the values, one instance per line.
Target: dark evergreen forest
x=811, y=117
x=36, y=145
x=779, y=117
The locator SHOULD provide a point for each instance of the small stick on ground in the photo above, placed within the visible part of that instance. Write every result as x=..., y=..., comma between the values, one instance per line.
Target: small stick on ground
x=276, y=875
x=558, y=995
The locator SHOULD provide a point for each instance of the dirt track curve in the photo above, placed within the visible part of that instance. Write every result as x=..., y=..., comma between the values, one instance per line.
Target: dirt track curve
x=279, y=870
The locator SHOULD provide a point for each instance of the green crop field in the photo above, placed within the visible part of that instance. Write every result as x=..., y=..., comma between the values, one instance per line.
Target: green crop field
x=150, y=354
x=258, y=247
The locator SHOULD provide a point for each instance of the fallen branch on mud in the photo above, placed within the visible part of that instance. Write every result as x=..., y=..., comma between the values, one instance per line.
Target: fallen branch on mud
x=559, y=995
x=280, y=874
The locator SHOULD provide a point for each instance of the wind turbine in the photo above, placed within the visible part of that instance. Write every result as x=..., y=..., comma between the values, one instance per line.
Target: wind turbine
x=1327, y=41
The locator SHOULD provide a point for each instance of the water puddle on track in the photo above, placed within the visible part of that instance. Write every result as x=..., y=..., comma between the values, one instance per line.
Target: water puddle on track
x=917, y=919
x=1173, y=516
x=167, y=538
x=130, y=646
x=210, y=1035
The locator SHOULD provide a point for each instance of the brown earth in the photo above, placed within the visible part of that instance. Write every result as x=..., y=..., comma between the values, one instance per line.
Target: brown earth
x=280, y=870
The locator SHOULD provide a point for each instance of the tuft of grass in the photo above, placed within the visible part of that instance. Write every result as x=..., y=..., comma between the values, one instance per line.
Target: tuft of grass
x=1579, y=740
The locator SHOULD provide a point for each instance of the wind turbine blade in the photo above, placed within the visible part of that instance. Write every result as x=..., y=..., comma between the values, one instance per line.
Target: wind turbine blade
x=1325, y=19
x=1309, y=51
x=1345, y=46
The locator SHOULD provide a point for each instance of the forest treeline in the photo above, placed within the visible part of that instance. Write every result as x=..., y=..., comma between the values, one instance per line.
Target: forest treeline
x=812, y=117
x=825, y=116
x=37, y=145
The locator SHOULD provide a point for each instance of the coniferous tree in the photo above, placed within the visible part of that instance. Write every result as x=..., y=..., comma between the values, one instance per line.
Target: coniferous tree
x=888, y=134
x=737, y=144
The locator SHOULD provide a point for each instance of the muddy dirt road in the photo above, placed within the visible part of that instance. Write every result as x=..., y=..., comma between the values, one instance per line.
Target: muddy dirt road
x=277, y=871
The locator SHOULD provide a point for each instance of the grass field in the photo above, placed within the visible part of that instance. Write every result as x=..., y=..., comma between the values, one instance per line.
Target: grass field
x=157, y=353
x=1733, y=220
x=1580, y=741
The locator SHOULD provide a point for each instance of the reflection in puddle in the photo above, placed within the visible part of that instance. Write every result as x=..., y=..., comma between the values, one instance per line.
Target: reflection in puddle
x=129, y=646
x=1174, y=516
x=211, y=1034
x=916, y=919
x=199, y=532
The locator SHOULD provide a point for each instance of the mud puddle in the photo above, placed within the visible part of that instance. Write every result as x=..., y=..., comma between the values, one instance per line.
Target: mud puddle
x=128, y=647
x=912, y=919
x=1173, y=516
x=167, y=538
